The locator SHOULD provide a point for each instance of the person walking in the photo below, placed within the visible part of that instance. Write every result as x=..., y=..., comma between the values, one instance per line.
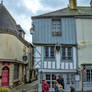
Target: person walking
x=57, y=89
x=45, y=86
x=61, y=81
x=61, y=89
x=72, y=89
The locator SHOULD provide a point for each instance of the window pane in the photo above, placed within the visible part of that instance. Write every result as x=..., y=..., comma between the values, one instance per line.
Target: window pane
x=91, y=75
x=53, y=84
x=46, y=52
x=53, y=77
x=49, y=83
x=52, y=52
x=47, y=76
x=16, y=71
x=88, y=75
x=56, y=26
x=63, y=53
x=69, y=52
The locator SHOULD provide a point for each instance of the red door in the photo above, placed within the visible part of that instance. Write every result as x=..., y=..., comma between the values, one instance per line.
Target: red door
x=5, y=77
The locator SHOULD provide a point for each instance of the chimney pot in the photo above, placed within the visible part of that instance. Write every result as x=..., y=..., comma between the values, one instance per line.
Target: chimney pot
x=73, y=4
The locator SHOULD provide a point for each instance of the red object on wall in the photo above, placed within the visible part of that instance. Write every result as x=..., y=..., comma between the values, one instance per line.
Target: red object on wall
x=84, y=71
x=5, y=78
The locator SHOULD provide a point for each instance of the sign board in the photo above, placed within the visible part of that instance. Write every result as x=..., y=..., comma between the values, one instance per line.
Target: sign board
x=77, y=78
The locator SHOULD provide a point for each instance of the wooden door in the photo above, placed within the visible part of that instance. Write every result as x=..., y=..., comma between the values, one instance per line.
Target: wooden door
x=5, y=77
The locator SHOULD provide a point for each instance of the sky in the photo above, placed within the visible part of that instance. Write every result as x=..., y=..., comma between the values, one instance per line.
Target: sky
x=23, y=10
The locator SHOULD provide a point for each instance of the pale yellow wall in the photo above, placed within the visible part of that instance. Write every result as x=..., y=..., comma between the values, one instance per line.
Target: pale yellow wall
x=11, y=47
x=84, y=40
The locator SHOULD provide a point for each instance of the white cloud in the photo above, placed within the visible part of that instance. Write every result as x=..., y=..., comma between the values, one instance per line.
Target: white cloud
x=35, y=5
x=28, y=37
x=25, y=23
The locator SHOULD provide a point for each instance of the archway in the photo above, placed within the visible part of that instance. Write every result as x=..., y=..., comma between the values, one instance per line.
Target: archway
x=5, y=77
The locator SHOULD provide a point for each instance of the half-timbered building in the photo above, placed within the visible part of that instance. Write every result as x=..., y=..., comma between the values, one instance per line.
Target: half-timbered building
x=55, y=52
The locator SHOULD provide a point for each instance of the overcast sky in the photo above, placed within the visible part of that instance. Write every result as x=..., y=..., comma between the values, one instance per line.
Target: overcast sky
x=22, y=10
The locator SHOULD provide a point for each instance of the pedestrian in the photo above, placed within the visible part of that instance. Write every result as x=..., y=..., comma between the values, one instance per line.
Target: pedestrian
x=61, y=89
x=45, y=86
x=57, y=89
x=72, y=89
x=61, y=81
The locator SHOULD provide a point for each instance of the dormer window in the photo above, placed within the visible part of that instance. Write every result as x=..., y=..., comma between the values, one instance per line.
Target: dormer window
x=20, y=33
x=56, y=27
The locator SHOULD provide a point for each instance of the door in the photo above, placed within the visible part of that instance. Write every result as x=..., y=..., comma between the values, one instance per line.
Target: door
x=5, y=77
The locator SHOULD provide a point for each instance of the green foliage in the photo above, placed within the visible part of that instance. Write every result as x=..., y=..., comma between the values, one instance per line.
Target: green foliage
x=4, y=90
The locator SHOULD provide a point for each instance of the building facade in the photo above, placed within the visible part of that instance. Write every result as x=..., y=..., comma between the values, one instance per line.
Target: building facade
x=63, y=43
x=84, y=40
x=15, y=51
x=55, y=48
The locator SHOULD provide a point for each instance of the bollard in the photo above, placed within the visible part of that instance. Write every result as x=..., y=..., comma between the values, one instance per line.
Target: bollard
x=24, y=90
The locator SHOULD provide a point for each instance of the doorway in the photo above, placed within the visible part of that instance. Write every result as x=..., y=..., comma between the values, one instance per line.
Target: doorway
x=5, y=77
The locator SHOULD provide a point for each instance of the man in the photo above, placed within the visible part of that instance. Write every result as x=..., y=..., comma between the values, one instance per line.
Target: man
x=45, y=86
x=61, y=81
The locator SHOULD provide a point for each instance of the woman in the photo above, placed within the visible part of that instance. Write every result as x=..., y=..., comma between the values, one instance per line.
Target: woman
x=57, y=86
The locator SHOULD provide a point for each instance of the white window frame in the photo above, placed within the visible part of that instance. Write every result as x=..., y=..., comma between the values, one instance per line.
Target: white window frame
x=67, y=53
x=49, y=52
x=56, y=27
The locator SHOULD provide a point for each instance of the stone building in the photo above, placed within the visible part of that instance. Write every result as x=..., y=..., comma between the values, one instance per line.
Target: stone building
x=15, y=51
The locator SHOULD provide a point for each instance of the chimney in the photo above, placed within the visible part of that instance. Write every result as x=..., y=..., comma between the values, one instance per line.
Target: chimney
x=73, y=4
x=91, y=3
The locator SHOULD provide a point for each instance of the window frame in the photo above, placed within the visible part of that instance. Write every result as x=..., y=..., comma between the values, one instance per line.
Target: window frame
x=16, y=71
x=50, y=51
x=56, y=27
x=66, y=52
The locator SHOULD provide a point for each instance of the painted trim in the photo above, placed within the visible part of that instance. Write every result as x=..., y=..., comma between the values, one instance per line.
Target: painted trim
x=58, y=70
x=13, y=61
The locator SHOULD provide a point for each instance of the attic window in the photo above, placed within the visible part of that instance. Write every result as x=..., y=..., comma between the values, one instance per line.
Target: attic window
x=56, y=27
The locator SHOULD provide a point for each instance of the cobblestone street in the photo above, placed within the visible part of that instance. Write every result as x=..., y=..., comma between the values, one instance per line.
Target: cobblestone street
x=31, y=87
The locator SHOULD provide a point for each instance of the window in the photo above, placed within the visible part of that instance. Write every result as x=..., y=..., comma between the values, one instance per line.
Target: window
x=52, y=52
x=51, y=78
x=49, y=52
x=89, y=75
x=16, y=71
x=56, y=27
x=67, y=53
x=70, y=78
x=46, y=52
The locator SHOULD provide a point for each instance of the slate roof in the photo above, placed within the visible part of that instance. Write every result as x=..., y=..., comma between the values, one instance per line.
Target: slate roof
x=6, y=20
x=9, y=26
x=80, y=11
x=19, y=28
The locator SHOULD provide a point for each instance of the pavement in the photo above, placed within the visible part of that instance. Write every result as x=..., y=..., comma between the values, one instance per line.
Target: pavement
x=30, y=87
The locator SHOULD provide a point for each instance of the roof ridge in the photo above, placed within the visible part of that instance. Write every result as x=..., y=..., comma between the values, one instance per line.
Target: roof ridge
x=67, y=11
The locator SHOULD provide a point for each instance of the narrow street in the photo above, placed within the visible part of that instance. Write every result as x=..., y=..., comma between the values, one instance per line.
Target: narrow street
x=31, y=87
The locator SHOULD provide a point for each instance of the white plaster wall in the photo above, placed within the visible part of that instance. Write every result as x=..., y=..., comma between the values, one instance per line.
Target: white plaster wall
x=58, y=59
x=38, y=57
x=84, y=40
